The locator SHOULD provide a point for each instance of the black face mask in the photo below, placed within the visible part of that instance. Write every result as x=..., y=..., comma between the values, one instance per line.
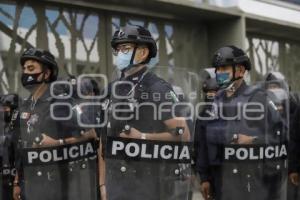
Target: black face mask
x=29, y=81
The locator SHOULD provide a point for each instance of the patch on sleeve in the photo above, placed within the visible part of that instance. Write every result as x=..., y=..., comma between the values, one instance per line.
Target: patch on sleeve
x=174, y=96
x=273, y=105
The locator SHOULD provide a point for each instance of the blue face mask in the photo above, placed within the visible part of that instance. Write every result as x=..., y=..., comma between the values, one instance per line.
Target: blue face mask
x=223, y=79
x=123, y=60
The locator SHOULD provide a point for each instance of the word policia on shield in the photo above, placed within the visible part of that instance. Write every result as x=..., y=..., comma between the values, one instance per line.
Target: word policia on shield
x=132, y=149
x=64, y=153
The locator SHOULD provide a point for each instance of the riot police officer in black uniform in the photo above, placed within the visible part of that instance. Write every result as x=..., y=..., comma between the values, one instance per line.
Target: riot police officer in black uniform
x=209, y=88
x=92, y=108
x=44, y=132
x=275, y=84
x=246, y=150
x=85, y=92
x=90, y=90
x=9, y=104
x=136, y=178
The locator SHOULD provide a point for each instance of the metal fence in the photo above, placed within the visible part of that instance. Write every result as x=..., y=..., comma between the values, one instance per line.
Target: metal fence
x=80, y=38
x=273, y=54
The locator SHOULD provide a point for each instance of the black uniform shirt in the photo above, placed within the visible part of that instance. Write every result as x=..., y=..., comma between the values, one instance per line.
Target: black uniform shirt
x=146, y=93
x=35, y=119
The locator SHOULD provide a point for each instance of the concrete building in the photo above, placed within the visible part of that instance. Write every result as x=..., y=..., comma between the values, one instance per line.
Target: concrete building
x=187, y=33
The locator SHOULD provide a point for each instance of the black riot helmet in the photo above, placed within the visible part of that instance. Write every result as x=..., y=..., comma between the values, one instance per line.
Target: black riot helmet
x=9, y=103
x=10, y=100
x=44, y=57
x=136, y=35
x=275, y=80
x=231, y=55
x=278, y=88
x=89, y=86
x=210, y=85
x=275, y=76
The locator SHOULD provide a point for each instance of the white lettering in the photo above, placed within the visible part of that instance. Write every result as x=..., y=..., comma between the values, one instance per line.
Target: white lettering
x=32, y=155
x=56, y=157
x=163, y=152
x=117, y=146
x=229, y=152
x=72, y=153
x=89, y=149
x=133, y=146
x=252, y=156
x=144, y=153
x=269, y=154
x=185, y=153
x=283, y=151
x=242, y=154
x=45, y=156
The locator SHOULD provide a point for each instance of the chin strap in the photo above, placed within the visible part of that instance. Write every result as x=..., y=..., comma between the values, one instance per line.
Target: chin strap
x=132, y=56
x=231, y=86
x=233, y=75
x=131, y=65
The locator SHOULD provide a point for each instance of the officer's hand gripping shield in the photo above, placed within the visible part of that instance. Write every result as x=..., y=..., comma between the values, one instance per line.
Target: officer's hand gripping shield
x=57, y=159
x=247, y=138
x=150, y=131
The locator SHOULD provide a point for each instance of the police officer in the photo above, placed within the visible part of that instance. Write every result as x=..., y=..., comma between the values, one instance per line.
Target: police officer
x=40, y=124
x=209, y=88
x=90, y=90
x=238, y=145
x=86, y=91
x=135, y=178
x=276, y=84
x=9, y=104
x=277, y=88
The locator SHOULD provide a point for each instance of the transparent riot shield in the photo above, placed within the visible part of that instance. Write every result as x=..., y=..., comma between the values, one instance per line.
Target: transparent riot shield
x=247, y=143
x=58, y=151
x=149, y=134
